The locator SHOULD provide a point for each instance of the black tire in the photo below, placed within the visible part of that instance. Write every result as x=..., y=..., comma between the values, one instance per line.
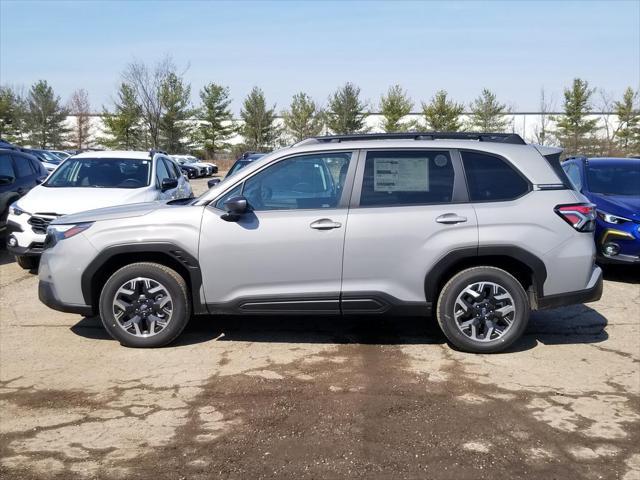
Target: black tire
x=28, y=262
x=171, y=281
x=447, y=304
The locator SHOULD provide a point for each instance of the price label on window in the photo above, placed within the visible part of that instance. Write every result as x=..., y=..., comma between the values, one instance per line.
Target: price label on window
x=401, y=174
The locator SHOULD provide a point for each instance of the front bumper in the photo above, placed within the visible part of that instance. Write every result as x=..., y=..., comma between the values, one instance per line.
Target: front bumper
x=47, y=295
x=627, y=239
x=22, y=240
x=592, y=293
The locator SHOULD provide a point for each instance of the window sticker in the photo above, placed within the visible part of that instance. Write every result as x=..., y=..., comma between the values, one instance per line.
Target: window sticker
x=441, y=160
x=401, y=174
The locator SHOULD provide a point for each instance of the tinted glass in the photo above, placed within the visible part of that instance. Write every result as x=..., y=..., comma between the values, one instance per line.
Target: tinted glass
x=101, y=173
x=615, y=179
x=490, y=178
x=573, y=172
x=233, y=193
x=169, y=166
x=239, y=165
x=306, y=182
x=6, y=167
x=22, y=166
x=407, y=178
x=161, y=171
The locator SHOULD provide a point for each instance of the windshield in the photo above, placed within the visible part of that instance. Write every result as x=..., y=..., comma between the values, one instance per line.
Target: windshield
x=615, y=179
x=239, y=165
x=48, y=157
x=189, y=160
x=101, y=173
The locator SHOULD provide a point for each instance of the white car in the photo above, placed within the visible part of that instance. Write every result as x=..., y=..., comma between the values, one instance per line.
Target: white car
x=204, y=169
x=85, y=182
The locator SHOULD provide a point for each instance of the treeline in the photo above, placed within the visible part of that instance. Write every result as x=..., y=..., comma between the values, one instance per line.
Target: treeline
x=152, y=107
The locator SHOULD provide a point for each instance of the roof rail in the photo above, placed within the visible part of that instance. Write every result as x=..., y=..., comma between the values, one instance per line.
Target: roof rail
x=512, y=138
x=153, y=151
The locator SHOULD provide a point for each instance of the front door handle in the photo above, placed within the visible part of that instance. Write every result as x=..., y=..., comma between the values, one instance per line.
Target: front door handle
x=325, y=224
x=450, y=219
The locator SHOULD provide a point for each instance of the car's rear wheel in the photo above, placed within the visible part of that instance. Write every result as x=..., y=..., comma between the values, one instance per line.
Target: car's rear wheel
x=28, y=262
x=145, y=305
x=483, y=310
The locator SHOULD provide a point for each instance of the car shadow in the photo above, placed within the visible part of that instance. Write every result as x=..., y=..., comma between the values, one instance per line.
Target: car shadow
x=5, y=257
x=578, y=324
x=622, y=273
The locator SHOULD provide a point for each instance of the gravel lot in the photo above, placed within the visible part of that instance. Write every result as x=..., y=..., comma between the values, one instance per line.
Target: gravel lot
x=319, y=397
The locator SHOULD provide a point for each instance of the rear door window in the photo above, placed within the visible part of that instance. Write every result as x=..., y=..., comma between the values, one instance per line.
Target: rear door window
x=396, y=178
x=22, y=166
x=490, y=178
x=7, y=173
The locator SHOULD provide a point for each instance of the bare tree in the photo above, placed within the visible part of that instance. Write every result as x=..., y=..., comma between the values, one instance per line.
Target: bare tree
x=611, y=127
x=80, y=108
x=542, y=132
x=148, y=83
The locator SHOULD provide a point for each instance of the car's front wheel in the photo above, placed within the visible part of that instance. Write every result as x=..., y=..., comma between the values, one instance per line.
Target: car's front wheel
x=483, y=310
x=145, y=305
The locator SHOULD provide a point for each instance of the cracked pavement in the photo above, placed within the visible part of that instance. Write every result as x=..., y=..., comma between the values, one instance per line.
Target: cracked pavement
x=241, y=397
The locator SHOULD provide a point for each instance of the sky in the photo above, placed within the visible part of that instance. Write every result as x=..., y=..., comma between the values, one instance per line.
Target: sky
x=513, y=48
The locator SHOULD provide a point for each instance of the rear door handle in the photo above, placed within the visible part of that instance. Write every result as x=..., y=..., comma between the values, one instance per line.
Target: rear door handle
x=325, y=224
x=450, y=219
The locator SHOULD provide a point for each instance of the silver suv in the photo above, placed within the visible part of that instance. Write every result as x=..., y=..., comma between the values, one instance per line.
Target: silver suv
x=476, y=229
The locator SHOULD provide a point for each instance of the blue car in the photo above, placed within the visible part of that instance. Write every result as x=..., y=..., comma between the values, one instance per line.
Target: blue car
x=613, y=185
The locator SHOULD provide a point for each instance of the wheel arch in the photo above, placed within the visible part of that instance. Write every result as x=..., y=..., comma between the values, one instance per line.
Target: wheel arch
x=526, y=267
x=117, y=256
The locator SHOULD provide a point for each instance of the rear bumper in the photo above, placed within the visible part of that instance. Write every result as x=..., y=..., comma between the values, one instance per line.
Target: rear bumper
x=592, y=293
x=47, y=295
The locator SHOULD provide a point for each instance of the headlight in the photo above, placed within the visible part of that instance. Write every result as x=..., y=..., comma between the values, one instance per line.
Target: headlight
x=14, y=209
x=609, y=218
x=56, y=233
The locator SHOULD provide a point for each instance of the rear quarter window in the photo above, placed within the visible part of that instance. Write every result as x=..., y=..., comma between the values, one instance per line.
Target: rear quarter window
x=490, y=178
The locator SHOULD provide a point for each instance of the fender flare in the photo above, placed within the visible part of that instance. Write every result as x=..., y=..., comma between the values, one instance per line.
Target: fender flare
x=176, y=253
x=537, y=267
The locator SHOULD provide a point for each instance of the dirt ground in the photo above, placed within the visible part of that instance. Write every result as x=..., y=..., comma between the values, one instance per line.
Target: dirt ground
x=315, y=397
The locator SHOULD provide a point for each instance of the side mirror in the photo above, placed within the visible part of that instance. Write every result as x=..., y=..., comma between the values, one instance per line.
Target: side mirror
x=213, y=182
x=236, y=207
x=168, y=184
x=6, y=180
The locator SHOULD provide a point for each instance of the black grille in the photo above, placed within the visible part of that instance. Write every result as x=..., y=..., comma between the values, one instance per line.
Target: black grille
x=40, y=224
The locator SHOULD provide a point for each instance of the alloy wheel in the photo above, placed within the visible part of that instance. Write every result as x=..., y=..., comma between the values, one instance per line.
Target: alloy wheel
x=142, y=307
x=484, y=311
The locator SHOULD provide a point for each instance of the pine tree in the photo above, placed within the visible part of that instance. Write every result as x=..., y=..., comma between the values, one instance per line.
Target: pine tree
x=45, y=116
x=217, y=127
x=80, y=108
x=124, y=125
x=304, y=118
x=487, y=114
x=442, y=114
x=573, y=128
x=628, y=114
x=12, y=114
x=174, y=127
x=259, y=129
x=346, y=113
x=394, y=106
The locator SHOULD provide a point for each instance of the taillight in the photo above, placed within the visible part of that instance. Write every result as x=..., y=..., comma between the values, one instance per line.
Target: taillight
x=581, y=216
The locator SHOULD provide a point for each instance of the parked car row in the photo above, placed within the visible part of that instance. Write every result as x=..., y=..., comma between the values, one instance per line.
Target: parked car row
x=194, y=168
x=88, y=181
x=476, y=229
